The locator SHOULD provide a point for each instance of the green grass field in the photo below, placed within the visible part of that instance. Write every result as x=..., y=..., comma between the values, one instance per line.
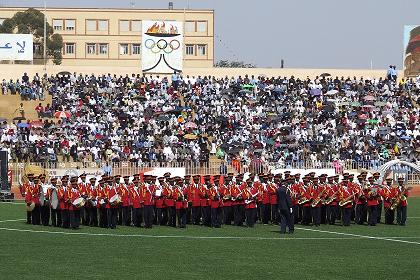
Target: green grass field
x=360, y=252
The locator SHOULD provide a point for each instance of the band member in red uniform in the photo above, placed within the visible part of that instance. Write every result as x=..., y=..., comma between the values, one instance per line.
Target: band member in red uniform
x=361, y=201
x=101, y=198
x=24, y=189
x=225, y=192
x=91, y=205
x=250, y=195
x=265, y=199
x=82, y=188
x=181, y=202
x=196, y=199
x=372, y=202
x=346, y=200
x=272, y=191
x=187, y=189
x=215, y=203
x=74, y=212
x=379, y=185
x=111, y=209
x=125, y=201
x=33, y=196
x=136, y=199
x=169, y=201
x=402, y=205
x=317, y=192
x=205, y=201
x=62, y=193
x=332, y=200
x=388, y=193
x=237, y=201
x=160, y=206
x=305, y=201
x=148, y=191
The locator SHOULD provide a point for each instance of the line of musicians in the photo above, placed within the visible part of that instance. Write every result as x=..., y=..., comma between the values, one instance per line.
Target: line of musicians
x=174, y=201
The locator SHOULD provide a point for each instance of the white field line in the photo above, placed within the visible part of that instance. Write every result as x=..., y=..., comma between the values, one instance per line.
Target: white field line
x=362, y=236
x=195, y=237
x=5, y=221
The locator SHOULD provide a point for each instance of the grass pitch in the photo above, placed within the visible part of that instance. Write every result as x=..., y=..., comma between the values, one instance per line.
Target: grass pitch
x=327, y=252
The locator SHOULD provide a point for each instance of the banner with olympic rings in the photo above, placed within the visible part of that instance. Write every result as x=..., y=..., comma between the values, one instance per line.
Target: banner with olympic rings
x=162, y=46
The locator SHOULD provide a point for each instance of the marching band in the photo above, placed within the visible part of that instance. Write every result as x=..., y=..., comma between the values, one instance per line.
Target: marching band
x=213, y=201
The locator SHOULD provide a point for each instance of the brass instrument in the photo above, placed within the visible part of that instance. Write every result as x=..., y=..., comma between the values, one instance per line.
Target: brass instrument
x=318, y=199
x=347, y=200
x=400, y=198
x=331, y=199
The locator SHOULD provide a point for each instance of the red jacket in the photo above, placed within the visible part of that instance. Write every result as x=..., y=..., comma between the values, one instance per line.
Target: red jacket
x=73, y=195
x=148, y=194
x=250, y=198
x=168, y=196
x=225, y=192
x=345, y=193
x=215, y=199
x=124, y=194
x=135, y=196
x=194, y=195
x=272, y=192
x=204, y=196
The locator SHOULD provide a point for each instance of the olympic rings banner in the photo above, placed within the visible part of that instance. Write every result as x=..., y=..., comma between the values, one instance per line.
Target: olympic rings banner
x=162, y=50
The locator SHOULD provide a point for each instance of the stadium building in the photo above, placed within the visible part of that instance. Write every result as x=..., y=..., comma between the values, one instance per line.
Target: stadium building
x=113, y=37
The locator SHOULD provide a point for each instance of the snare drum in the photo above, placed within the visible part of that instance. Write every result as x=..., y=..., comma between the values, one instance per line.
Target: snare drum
x=79, y=202
x=115, y=200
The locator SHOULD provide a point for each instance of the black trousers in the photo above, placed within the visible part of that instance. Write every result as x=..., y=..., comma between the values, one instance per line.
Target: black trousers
x=103, y=217
x=206, y=215
x=297, y=215
x=120, y=219
x=286, y=221
x=84, y=215
x=45, y=214
x=28, y=217
x=332, y=213
x=181, y=215
x=324, y=214
x=379, y=212
x=165, y=216
x=74, y=219
x=389, y=216
x=361, y=214
x=137, y=214
x=65, y=216
x=401, y=215
x=346, y=216
x=172, y=216
x=216, y=217
x=54, y=214
x=306, y=215
x=126, y=215
x=159, y=216
x=112, y=217
x=93, y=216
x=373, y=212
x=196, y=215
x=238, y=212
x=266, y=212
x=250, y=216
x=259, y=211
x=316, y=215
x=189, y=213
x=148, y=216
x=274, y=214
x=227, y=215
x=36, y=216
x=59, y=217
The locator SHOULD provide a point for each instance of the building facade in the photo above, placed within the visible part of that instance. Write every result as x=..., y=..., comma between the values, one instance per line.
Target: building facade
x=112, y=37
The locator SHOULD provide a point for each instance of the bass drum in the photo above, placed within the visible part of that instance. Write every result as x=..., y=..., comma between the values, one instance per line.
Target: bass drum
x=54, y=199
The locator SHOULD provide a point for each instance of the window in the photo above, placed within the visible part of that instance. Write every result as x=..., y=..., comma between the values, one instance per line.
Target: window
x=202, y=26
x=103, y=48
x=69, y=48
x=124, y=25
x=103, y=25
x=189, y=49
x=136, y=25
x=123, y=49
x=136, y=48
x=190, y=26
x=91, y=25
x=70, y=24
x=58, y=24
x=201, y=49
x=91, y=48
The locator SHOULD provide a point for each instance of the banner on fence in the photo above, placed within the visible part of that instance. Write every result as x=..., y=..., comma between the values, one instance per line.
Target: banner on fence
x=16, y=46
x=90, y=172
x=302, y=172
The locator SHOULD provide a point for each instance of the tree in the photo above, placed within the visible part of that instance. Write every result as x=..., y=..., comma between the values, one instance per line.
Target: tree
x=233, y=64
x=31, y=21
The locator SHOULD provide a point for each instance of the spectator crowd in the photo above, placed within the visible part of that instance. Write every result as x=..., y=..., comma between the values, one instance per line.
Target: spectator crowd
x=286, y=120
